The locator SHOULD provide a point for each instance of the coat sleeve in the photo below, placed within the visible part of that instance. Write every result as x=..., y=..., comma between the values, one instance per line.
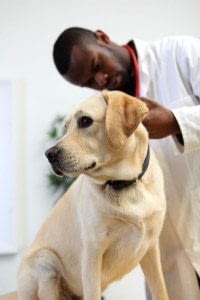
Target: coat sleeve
x=188, y=117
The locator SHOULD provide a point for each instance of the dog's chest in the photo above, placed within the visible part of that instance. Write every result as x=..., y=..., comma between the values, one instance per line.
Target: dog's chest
x=125, y=249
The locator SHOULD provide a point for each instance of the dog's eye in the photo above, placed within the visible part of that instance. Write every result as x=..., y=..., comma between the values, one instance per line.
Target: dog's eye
x=84, y=122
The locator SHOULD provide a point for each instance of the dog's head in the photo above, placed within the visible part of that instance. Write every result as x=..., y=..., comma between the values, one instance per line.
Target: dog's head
x=98, y=131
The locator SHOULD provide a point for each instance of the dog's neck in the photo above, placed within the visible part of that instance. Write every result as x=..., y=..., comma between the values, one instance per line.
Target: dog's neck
x=121, y=184
x=128, y=164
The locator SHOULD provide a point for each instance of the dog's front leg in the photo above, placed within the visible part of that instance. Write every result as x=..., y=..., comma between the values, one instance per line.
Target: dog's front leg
x=151, y=266
x=91, y=273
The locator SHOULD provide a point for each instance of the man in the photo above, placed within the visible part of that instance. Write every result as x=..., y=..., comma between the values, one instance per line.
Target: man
x=167, y=71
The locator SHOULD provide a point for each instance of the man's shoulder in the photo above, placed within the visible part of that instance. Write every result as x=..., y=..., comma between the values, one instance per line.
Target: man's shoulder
x=176, y=40
x=167, y=43
x=167, y=40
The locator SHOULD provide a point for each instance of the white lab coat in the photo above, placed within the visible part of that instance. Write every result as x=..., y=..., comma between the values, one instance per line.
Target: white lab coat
x=169, y=72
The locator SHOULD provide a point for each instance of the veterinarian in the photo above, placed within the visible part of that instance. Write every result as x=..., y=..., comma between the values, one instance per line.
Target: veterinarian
x=166, y=71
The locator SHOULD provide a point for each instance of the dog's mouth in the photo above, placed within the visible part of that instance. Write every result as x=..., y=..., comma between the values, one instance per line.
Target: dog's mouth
x=57, y=171
x=68, y=164
x=72, y=171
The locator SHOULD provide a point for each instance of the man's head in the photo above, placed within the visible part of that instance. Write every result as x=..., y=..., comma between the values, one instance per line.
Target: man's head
x=91, y=59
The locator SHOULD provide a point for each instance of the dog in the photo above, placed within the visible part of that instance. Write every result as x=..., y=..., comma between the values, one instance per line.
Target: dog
x=110, y=219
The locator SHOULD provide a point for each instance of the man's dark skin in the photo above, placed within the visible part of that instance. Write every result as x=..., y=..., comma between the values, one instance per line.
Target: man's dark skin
x=105, y=65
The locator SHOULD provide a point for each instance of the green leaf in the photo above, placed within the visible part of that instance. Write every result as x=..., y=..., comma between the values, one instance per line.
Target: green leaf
x=60, y=182
x=53, y=133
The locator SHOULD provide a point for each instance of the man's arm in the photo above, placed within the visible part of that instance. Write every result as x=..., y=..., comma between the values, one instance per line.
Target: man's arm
x=188, y=117
x=182, y=123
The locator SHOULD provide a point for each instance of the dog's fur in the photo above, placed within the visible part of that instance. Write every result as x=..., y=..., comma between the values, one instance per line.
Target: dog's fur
x=96, y=234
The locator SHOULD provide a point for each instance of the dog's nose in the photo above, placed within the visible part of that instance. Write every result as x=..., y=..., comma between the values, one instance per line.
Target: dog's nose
x=52, y=153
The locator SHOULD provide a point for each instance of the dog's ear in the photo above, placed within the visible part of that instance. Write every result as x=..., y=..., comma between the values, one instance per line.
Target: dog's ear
x=124, y=113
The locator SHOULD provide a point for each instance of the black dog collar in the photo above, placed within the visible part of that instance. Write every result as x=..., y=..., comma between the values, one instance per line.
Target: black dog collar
x=121, y=184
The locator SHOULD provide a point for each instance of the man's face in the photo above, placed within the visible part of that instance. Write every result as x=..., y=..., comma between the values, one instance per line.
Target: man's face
x=98, y=67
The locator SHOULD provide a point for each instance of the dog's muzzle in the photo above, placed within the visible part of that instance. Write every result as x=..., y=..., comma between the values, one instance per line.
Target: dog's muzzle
x=66, y=164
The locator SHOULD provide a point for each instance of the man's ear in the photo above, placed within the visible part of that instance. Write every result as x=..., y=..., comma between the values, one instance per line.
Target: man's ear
x=102, y=37
x=124, y=113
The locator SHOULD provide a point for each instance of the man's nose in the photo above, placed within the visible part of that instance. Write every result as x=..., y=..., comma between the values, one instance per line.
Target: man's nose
x=101, y=79
x=52, y=153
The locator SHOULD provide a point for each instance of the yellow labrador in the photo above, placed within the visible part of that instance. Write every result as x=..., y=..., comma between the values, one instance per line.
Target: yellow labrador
x=110, y=219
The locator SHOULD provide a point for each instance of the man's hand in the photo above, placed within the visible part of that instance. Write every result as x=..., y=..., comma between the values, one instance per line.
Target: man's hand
x=159, y=121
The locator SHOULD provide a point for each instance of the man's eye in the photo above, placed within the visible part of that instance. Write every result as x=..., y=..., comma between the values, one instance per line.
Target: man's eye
x=97, y=66
x=84, y=122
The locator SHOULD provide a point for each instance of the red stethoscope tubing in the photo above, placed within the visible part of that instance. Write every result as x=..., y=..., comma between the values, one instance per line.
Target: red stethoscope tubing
x=135, y=69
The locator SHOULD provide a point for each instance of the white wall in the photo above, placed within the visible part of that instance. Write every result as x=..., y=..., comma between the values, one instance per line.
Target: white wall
x=28, y=29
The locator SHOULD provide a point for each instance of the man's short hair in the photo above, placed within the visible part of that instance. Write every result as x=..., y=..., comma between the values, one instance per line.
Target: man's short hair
x=63, y=46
